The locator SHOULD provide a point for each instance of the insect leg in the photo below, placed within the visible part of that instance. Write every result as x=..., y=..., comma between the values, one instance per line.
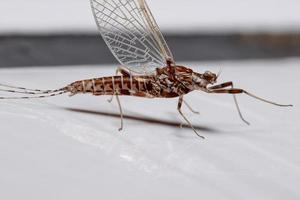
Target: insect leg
x=124, y=72
x=240, y=91
x=222, y=85
x=184, y=117
x=190, y=108
x=121, y=112
x=230, y=84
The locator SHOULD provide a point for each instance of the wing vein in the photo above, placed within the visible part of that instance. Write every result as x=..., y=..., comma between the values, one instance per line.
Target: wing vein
x=132, y=38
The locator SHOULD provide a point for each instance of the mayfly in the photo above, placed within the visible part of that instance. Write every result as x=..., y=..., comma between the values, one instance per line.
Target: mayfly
x=148, y=66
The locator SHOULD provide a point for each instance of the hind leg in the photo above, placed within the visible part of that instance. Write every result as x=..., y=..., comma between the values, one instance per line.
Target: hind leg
x=121, y=112
x=124, y=72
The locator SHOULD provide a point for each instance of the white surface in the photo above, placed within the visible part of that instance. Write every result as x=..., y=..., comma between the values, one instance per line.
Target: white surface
x=48, y=152
x=60, y=16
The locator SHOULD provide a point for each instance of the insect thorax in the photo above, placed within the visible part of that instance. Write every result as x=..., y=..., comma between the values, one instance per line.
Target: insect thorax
x=174, y=81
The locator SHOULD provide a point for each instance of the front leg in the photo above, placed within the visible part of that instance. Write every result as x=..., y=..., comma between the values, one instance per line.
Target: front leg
x=219, y=89
x=222, y=85
x=230, y=84
x=241, y=91
x=180, y=101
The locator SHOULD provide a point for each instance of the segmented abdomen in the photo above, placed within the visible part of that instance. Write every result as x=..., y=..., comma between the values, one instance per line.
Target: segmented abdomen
x=134, y=85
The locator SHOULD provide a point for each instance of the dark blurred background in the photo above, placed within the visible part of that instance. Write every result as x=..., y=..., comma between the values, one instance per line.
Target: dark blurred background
x=63, y=32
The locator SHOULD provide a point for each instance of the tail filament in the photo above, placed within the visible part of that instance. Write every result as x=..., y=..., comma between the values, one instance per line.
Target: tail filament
x=29, y=93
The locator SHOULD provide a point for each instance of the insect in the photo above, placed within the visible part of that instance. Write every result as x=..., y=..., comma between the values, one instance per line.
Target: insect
x=148, y=66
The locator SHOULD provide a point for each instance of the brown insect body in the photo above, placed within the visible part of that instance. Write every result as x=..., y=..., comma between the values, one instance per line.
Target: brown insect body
x=133, y=36
x=168, y=82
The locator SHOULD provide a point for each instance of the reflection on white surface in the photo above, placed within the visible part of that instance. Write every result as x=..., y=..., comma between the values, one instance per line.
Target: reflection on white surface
x=46, y=146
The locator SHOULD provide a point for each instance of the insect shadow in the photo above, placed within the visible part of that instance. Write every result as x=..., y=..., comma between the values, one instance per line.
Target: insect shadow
x=142, y=119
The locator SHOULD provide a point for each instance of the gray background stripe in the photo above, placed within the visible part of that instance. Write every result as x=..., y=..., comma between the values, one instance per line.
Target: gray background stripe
x=38, y=50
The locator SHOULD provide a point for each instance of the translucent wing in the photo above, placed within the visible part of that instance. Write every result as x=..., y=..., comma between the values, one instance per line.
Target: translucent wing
x=131, y=33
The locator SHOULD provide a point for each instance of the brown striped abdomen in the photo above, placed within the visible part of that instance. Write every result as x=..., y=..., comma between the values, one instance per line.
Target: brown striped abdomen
x=122, y=85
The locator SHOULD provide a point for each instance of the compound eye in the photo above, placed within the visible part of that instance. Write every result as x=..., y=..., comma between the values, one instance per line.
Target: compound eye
x=208, y=74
